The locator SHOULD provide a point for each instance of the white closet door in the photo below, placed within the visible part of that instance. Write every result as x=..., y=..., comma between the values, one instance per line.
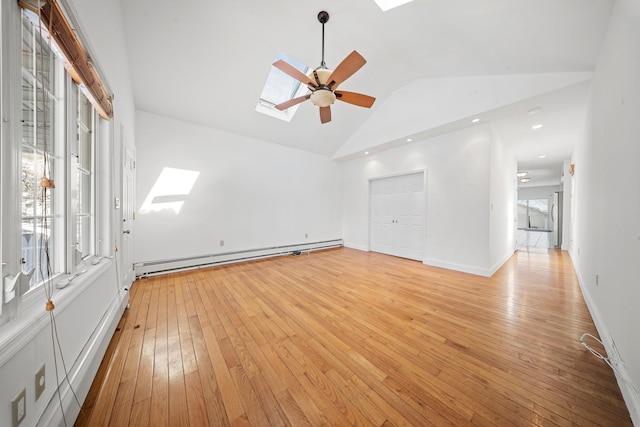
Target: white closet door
x=382, y=216
x=398, y=215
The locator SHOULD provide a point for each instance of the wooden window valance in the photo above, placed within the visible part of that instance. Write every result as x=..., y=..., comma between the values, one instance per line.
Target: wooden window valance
x=76, y=59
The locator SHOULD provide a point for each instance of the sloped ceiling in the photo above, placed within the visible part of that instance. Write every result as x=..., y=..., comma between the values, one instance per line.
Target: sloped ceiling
x=206, y=62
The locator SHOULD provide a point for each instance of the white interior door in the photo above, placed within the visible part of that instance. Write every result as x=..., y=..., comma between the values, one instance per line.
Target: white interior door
x=382, y=216
x=398, y=206
x=128, y=216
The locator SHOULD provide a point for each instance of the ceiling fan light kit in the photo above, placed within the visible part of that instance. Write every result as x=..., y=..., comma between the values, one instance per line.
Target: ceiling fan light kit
x=323, y=82
x=323, y=96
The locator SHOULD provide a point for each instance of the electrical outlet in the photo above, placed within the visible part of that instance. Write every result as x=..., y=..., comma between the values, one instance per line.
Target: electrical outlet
x=40, y=382
x=19, y=408
x=597, y=279
x=306, y=235
x=221, y=242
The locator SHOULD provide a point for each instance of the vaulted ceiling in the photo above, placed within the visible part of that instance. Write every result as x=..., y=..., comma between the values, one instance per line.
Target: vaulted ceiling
x=205, y=62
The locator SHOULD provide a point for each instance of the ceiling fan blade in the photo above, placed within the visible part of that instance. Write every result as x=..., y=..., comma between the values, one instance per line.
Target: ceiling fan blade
x=325, y=114
x=292, y=102
x=349, y=65
x=292, y=71
x=355, y=98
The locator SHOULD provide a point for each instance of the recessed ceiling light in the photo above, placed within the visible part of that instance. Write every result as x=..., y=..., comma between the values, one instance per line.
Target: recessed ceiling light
x=409, y=139
x=538, y=126
x=476, y=120
x=542, y=156
x=534, y=110
x=525, y=179
x=366, y=153
x=521, y=174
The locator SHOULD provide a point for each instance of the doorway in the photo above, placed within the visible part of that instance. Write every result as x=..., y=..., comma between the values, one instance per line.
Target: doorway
x=540, y=222
x=397, y=215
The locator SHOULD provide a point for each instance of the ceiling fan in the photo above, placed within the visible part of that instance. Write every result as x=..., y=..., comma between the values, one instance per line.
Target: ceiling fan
x=324, y=84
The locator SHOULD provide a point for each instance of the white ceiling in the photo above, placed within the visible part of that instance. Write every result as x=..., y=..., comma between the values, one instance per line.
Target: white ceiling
x=206, y=62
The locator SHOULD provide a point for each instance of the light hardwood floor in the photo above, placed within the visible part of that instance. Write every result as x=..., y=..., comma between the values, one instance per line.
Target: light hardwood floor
x=343, y=337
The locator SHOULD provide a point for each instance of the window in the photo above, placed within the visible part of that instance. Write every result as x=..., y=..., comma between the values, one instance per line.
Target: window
x=83, y=184
x=533, y=214
x=280, y=88
x=42, y=211
x=58, y=142
x=48, y=232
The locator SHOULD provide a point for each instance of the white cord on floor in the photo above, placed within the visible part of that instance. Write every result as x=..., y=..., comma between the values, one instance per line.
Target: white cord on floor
x=610, y=361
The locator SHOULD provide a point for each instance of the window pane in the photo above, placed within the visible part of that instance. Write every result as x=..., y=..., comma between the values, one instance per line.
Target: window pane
x=36, y=235
x=84, y=193
x=30, y=162
x=85, y=149
x=84, y=182
x=85, y=111
x=28, y=50
x=46, y=120
x=28, y=111
x=83, y=245
x=281, y=87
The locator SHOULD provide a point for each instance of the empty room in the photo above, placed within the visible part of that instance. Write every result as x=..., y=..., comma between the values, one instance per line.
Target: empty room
x=375, y=212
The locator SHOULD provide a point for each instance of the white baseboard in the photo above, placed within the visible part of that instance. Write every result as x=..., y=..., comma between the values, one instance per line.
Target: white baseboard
x=82, y=373
x=631, y=399
x=478, y=271
x=500, y=262
x=358, y=247
x=157, y=267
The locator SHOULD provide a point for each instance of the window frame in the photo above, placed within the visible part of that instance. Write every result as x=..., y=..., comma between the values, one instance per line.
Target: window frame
x=274, y=82
x=55, y=117
x=28, y=301
x=75, y=165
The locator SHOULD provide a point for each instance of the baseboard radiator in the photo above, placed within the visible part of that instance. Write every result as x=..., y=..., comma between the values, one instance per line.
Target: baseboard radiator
x=154, y=268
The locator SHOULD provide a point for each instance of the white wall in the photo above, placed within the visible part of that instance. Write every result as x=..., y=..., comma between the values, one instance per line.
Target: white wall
x=451, y=99
x=607, y=231
x=458, y=169
x=88, y=309
x=502, y=203
x=567, y=206
x=543, y=192
x=249, y=193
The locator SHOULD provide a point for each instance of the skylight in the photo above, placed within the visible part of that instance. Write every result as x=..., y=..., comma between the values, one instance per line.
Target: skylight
x=390, y=4
x=280, y=88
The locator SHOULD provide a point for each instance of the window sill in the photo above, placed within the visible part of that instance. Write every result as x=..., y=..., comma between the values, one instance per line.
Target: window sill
x=32, y=316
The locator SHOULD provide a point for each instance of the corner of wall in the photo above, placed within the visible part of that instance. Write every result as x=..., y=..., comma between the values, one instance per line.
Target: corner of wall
x=470, y=269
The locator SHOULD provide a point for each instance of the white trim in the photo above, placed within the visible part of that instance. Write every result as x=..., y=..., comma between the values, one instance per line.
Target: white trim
x=149, y=268
x=500, y=263
x=402, y=173
x=356, y=246
x=83, y=371
x=20, y=331
x=631, y=399
x=459, y=267
x=370, y=180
